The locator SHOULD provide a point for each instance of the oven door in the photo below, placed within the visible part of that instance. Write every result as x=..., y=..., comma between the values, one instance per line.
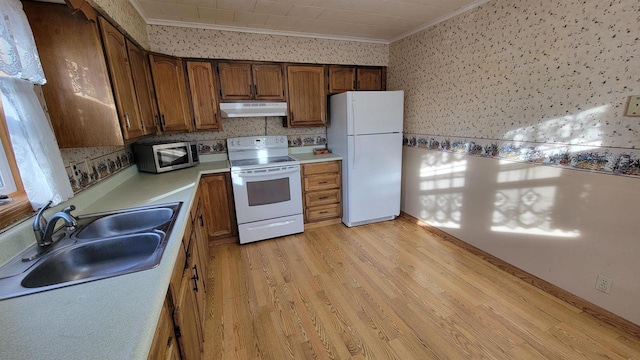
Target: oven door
x=267, y=193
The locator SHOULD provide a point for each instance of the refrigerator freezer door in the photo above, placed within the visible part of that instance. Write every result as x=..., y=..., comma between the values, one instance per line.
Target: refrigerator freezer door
x=373, y=172
x=375, y=112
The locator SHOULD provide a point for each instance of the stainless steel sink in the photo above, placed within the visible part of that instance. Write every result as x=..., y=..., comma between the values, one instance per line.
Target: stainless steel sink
x=103, y=245
x=96, y=259
x=125, y=223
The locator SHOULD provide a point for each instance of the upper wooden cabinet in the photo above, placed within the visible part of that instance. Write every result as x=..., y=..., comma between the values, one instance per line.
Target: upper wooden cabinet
x=351, y=78
x=78, y=91
x=204, y=96
x=171, y=92
x=141, y=72
x=341, y=79
x=267, y=82
x=307, y=95
x=250, y=81
x=369, y=79
x=115, y=48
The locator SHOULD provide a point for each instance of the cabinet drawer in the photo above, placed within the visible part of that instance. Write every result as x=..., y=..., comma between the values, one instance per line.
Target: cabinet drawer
x=323, y=212
x=321, y=168
x=322, y=182
x=323, y=197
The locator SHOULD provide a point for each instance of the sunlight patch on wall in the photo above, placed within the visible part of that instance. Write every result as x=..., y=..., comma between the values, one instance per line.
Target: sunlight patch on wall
x=528, y=210
x=442, y=172
x=583, y=128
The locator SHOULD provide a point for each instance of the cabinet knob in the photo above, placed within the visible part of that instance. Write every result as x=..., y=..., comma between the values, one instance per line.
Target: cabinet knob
x=126, y=117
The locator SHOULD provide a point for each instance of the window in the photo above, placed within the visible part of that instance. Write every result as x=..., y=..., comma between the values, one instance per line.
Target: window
x=10, y=183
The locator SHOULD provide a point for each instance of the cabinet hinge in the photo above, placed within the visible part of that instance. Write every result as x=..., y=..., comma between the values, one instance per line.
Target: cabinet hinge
x=176, y=329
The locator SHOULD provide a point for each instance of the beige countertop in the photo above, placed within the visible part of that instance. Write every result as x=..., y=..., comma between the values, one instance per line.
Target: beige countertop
x=113, y=318
x=307, y=157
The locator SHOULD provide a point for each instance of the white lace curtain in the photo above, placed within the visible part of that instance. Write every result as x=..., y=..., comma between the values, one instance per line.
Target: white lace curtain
x=34, y=144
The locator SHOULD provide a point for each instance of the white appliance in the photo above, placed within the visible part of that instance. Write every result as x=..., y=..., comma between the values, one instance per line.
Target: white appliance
x=266, y=187
x=365, y=128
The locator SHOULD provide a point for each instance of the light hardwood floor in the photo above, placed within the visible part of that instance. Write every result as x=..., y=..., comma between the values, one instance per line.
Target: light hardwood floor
x=387, y=291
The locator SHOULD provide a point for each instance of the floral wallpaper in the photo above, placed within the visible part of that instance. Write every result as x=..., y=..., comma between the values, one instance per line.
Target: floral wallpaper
x=209, y=43
x=527, y=72
x=125, y=15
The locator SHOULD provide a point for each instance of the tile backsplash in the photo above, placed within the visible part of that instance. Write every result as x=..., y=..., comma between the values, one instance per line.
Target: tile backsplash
x=87, y=166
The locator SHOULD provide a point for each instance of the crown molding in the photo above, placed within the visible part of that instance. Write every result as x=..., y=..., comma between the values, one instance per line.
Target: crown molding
x=442, y=18
x=262, y=31
x=136, y=5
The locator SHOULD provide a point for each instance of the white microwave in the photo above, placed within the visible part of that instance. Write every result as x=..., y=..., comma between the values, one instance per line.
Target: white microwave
x=162, y=157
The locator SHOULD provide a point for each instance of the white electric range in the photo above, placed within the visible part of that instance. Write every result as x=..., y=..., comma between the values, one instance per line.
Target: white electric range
x=266, y=187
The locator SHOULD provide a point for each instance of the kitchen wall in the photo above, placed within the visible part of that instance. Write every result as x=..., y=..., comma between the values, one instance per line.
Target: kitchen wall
x=517, y=143
x=126, y=16
x=209, y=43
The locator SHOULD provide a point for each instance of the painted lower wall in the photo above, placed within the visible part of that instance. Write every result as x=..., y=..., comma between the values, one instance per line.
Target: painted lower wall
x=564, y=226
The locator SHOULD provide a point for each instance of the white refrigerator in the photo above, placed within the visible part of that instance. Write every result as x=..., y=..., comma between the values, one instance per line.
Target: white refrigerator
x=365, y=128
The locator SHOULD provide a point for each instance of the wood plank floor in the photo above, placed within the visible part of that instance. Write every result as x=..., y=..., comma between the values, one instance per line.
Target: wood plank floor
x=387, y=291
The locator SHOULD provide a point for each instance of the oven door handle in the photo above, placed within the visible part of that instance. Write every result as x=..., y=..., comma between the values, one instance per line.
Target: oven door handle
x=267, y=173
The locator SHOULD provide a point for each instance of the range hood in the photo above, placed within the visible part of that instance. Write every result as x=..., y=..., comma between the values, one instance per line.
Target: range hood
x=253, y=109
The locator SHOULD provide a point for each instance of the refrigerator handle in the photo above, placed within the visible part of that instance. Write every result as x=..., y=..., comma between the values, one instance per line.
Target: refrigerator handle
x=355, y=146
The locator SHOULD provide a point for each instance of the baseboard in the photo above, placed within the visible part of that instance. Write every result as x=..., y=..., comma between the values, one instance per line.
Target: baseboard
x=223, y=241
x=582, y=304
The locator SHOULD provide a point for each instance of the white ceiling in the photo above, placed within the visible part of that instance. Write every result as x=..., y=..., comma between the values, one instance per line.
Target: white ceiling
x=368, y=20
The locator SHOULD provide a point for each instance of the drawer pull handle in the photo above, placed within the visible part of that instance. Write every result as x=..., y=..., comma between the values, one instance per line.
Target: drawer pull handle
x=323, y=182
x=323, y=212
x=323, y=198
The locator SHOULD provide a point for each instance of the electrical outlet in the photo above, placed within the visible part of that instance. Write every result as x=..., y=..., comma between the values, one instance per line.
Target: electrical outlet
x=604, y=284
x=633, y=108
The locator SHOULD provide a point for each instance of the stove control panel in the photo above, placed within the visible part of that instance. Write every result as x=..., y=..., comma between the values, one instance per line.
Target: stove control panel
x=256, y=142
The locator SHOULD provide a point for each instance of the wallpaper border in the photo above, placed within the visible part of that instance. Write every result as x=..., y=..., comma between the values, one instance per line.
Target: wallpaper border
x=613, y=161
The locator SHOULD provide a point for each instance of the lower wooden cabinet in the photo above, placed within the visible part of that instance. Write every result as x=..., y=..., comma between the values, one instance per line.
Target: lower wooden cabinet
x=219, y=209
x=180, y=330
x=164, y=344
x=322, y=195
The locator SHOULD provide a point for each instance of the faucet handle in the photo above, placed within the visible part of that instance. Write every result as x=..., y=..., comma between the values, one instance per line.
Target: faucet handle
x=69, y=209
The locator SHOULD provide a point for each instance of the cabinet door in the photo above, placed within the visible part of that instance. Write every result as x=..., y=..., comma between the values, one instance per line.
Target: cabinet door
x=219, y=212
x=341, y=79
x=194, y=268
x=144, y=88
x=171, y=92
x=115, y=47
x=235, y=81
x=203, y=243
x=204, y=96
x=185, y=316
x=307, y=96
x=78, y=91
x=267, y=82
x=164, y=338
x=369, y=79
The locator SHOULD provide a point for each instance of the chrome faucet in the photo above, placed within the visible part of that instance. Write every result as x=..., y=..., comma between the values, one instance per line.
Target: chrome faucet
x=44, y=229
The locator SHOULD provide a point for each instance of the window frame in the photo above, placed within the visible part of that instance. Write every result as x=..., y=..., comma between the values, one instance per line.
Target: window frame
x=20, y=207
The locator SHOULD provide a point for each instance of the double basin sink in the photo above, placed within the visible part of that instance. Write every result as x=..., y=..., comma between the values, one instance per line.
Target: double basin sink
x=102, y=245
